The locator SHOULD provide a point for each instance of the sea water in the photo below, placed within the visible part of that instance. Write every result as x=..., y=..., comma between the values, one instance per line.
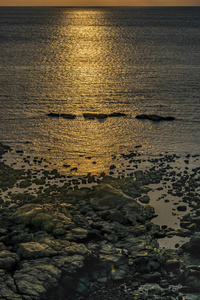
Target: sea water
x=99, y=60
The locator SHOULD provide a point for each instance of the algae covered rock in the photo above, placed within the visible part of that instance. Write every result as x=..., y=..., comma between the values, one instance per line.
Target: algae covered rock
x=44, y=217
x=35, y=278
x=35, y=250
x=108, y=197
x=193, y=246
x=8, y=259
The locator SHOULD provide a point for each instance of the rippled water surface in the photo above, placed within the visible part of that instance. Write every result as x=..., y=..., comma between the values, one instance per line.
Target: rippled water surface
x=100, y=60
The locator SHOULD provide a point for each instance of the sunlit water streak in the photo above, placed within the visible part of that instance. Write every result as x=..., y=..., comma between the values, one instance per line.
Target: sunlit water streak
x=102, y=60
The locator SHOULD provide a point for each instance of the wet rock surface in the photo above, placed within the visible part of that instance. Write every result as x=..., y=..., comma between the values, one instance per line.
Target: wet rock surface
x=98, y=243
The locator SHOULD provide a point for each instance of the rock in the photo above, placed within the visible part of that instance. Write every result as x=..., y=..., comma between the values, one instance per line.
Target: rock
x=106, y=202
x=35, y=278
x=182, y=208
x=154, y=118
x=34, y=250
x=53, y=115
x=131, y=212
x=139, y=175
x=75, y=248
x=94, y=115
x=117, y=114
x=42, y=217
x=8, y=288
x=84, y=285
x=2, y=247
x=195, y=220
x=152, y=277
x=69, y=264
x=112, y=167
x=68, y=116
x=63, y=115
x=172, y=264
x=79, y=233
x=194, y=283
x=144, y=199
x=193, y=245
x=108, y=197
x=117, y=217
x=8, y=259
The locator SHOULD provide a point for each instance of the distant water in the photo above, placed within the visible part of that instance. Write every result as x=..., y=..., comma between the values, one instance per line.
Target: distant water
x=102, y=60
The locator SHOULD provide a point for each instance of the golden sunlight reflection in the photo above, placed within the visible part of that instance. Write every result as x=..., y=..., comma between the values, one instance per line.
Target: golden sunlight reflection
x=87, y=80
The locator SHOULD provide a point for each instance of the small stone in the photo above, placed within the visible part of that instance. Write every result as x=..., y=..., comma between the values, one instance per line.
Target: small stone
x=182, y=208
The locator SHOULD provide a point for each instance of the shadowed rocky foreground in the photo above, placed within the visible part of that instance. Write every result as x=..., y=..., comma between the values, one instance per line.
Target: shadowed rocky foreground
x=98, y=243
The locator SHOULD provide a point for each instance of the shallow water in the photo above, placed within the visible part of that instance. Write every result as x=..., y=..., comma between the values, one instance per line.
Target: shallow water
x=102, y=60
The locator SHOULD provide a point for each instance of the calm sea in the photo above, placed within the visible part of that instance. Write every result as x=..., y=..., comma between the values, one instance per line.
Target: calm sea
x=100, y=60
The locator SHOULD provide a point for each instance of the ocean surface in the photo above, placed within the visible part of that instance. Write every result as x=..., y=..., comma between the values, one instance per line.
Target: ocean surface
x=99, y=60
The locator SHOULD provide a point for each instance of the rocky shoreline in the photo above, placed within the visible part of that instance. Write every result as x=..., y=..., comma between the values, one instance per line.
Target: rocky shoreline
x=96, y=243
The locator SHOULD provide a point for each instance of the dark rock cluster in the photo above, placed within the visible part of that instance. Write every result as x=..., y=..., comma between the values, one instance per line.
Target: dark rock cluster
x=90, y=116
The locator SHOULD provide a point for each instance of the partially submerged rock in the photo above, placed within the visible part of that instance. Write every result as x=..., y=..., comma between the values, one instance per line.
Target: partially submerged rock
x=93, y=116
x=154, y=118
x=68, y=116
x=62, y=115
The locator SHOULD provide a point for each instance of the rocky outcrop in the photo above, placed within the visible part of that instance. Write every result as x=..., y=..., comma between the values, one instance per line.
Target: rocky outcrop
x=154, y=118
